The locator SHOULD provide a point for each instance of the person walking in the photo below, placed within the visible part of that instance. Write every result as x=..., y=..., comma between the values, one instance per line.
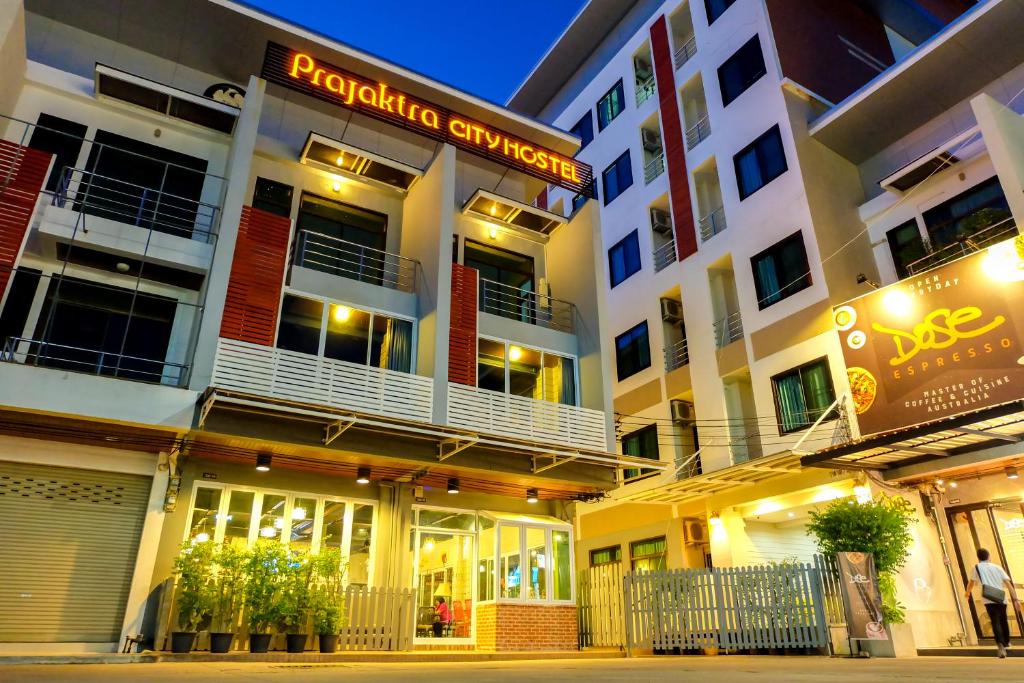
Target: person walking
x=995, y=586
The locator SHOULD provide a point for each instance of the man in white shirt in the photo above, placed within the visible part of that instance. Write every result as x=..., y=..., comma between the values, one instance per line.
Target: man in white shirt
x=992, y=575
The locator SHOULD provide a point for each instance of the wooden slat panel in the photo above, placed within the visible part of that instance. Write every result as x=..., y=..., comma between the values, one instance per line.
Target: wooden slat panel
x=463, y=329
x=22, y=173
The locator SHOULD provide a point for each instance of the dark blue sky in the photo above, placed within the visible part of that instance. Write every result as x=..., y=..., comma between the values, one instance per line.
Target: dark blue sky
x=485, y=47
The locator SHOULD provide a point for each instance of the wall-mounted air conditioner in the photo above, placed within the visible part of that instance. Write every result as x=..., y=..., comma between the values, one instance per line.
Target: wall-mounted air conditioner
x=661, y=221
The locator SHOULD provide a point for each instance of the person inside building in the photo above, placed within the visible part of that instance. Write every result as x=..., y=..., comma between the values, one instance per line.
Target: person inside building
x=995, y=586
x=442, y=617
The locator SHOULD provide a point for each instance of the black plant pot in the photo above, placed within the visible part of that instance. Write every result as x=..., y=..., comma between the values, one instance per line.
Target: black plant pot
x=221, y=642
x=296, y=642
x=328, y=643
x=182, y=641
x=259, y=642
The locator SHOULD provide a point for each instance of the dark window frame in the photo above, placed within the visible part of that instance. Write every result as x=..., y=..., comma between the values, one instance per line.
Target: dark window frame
x=900, y=262
x=642, y=364
x=585, y=124
x=643, y=437
x=755, y=147
x=736, y=65
x=833, y=415
x=615, y=552
x=713, y=13
x=789, y=285
x=270, y=203
x=615, y=167
x=632, y=240
x=601, y=122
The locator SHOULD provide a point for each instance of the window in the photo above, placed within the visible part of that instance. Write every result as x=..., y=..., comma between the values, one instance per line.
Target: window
x=760, y=162
x=534, y=559
x=967, y=214
x=522, y=371
x=624, y=258
x=716, y=8
x=642, y=443
x=578, y=201
x=20, y=295
x=632, y=351
x=506, y=282
x=345, y=333
x=610, y=555
x=741, y=71
x=610, y=106
x=62, y=139
x=341, y=239
x=273, y=197
x=906, y=246
x=648, y=556
x=617, y=178
x=802, y=395
x=584, y=129
x=780, y=271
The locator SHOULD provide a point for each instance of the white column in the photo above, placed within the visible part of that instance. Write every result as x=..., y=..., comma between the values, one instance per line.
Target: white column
x=1003, y=132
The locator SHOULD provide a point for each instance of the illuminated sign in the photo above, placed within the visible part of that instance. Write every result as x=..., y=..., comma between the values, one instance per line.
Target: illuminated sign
x=305, y=73
x=939, y=344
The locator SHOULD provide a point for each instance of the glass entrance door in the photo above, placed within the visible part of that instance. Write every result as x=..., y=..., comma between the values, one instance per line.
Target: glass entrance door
x=444, y=580
x=998, y=527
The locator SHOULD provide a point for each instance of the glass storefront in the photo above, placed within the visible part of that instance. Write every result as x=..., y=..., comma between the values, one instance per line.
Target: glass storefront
x=444, y=543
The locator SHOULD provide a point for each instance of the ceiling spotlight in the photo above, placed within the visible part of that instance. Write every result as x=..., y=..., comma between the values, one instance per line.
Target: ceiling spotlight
x=341, y=314
x=122, y=267
x=493, y=232
x=952, y=484
x=263, y=462
x=531, y=496
x=1011, y=473
x=453, y=485
x=363, y=475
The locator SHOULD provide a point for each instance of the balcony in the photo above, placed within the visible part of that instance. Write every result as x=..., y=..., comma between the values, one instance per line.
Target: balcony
x=336, y=256
x=712, y=224
x=304, y=378
x=685, y=52
x=645, y=90
x=528, y=307
x=698, y=132
x=496, y=412
x=92, y=361
x=654, y=168
x=664, y=256
x=728, y=329
x=967, y=244
x=677, y=355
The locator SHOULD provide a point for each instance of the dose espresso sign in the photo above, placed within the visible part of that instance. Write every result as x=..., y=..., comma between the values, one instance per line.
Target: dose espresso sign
x=936, y=345
x=305, y=73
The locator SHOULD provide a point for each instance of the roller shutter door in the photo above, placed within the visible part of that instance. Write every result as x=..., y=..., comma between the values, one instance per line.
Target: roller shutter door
x=68, y=543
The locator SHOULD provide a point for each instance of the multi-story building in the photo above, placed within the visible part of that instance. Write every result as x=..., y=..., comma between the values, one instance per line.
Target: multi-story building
x=258, y=284
x=757, y=161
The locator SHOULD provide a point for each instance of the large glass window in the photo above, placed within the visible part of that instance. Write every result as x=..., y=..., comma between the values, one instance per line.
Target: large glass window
x=906, y=246
x=617, y=178
x=302, y=515
x=523, y=371
x=61, y=138
x=204, y=515
x=273, y=197
x=624, y=258
x=641, y=443
x=632, y=351
x=506, y=283
x=741, y=71
x=300, y=323
x=445, y=573
x=561, y=565
x=780, y=271
x=238, y=517
x=760, y=162
x=715, y=8
x=610, y=106
x=539, y=560
x=359, y=546
x=970, y=213
x=649, y=556
x=485, y=572
x=610, y=555
x=510, y=557
x=802, y=395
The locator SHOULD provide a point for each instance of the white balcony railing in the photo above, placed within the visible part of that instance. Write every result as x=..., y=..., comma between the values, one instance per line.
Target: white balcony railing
x=686, y=51
x=276, y=373
x=654, y=168
x=495, y=412
x=728, y=329
x=677, y=355
x=698, y=132
x=665, y=255
x=645, y=90
x=711, y=224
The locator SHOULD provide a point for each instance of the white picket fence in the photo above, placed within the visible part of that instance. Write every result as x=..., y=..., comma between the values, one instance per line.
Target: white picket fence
x=378, y=619
x=600, y=609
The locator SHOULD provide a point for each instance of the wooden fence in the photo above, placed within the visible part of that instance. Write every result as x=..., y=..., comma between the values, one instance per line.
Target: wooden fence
x=599, y=591
x=744, y=608
x=378, y=619
x=828, y=570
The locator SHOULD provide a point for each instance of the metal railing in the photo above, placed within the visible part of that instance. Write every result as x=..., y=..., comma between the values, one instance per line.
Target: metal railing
x=528, y=307
x=336, y=256
x=126, y=202
x=698, y=132
x=712, y=223
x=677, y=355
x=645, y=90
x=664, y=256
x=964, y=245
x=654, y=168
x=41, y=353
x=728, y=329
x=686, y=51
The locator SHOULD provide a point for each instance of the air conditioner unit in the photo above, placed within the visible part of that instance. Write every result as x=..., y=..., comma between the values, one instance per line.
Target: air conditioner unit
x=642, y=69
x=661, y=221
x=682, y=411
x=693, y=532
x=651, y=139
x=671, y=311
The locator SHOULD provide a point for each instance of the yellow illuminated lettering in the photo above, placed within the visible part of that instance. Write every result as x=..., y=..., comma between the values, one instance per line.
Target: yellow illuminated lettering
x=368, y=95
x=940, y=329
x=429, y=118
x=384, y=100
x=542, y=160
x=527, y=154
x=301, y=63
x=401, y=105
x=493, y=139
x=334, y=83
x=457, y=127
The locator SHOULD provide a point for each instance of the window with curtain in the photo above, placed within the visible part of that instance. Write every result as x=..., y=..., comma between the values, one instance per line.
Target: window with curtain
x=649, y=556
x=610, y=106
x=760, y=162
x=642, y=443
x=610, y=555
x=523, y=371
x=802, y=395
x=780, y=271
x=632, y=351
x=744, y=68
x=617, y=178
x=624, y=258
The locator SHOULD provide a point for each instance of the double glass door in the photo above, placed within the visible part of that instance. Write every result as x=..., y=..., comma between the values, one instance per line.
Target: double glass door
x=444, y=560
x=999, y=528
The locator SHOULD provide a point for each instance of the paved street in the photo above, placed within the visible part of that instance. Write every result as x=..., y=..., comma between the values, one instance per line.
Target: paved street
x=722, y=669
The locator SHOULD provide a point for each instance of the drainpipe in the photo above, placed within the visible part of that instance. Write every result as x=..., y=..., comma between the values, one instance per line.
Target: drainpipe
x=932, y=497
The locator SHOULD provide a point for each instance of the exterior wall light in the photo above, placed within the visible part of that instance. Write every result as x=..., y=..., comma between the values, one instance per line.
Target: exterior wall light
x=492, y=232
x=453, y=485
x=263, y=462
x=363, y=475
x=531, y=496
x=1011, y=473
x=715, y=520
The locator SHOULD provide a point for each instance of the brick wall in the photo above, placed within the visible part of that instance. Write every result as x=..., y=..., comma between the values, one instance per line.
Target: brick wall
x=501, y=626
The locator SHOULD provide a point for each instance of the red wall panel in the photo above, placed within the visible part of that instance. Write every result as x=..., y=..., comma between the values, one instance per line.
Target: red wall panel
x=22, y=172
x=253, y=298
x=672, y=139
x=462, y=334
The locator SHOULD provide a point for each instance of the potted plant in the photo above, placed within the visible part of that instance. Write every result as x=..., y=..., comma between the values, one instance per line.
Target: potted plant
x=193, y=594
x=327, y=597
x=263, y=566
x=228, y=583
x=293, y=601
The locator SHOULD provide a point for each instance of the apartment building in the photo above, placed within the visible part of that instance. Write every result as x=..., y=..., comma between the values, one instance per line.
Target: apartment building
x=260, y=285
x=755, y=159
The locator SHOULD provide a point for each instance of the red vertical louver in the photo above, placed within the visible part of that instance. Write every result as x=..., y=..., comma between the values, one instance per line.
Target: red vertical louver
x=462, y=335
x=672, y=135
x=257, y=276
x=22, y=172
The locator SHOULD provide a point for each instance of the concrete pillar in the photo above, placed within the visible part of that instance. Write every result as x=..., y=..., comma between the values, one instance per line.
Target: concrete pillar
x=1003, y=132
x=12, y=56
x=239, y=166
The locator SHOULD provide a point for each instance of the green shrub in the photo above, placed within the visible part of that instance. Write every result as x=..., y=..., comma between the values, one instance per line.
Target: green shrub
x=230, y=564
x=327, y=599
x=193, y=589
x=264, y=564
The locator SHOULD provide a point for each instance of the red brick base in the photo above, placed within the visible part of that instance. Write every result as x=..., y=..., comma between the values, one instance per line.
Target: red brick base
x=503, y=626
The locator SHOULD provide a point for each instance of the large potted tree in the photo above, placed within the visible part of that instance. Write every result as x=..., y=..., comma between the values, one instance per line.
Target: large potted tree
x=293, y=601
x=880, y=527
x=327, y=599
x=193, y=594
x=264, y=565
x=228, y=584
